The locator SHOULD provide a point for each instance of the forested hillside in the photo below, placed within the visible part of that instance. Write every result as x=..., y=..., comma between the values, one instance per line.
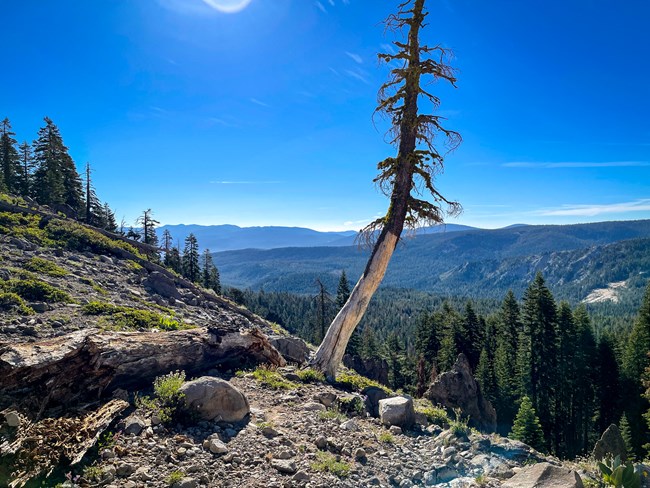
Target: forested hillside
x=575, y=259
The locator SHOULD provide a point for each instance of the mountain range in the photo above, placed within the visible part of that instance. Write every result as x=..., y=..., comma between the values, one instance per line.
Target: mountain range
x=575, y=259
x=231, y=237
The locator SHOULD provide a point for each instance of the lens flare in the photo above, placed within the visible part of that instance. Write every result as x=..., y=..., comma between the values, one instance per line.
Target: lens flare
x=228, y=6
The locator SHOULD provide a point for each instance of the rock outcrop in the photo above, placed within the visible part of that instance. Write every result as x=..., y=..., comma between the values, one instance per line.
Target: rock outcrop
x=458, y=389
x=610, y=444
x=292, y=349
x=215, y=399
x=544, y=475
x=374, y=368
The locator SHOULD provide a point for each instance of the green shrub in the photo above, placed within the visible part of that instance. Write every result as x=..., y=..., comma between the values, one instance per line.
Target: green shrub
x=168, y=400
x=386, y=437
x=12, y=302
x=327, y=462
x=311, y=375
x=36, y=290
x=271, y=378
x=24, y=227
x=43, y=266
x=619, y=475
x=332, y=414
x=94, y=286
x=174, y=477
x=435, y=415
x=126, y=318
x=459, y=426
x=355, y=382
x=93, y=473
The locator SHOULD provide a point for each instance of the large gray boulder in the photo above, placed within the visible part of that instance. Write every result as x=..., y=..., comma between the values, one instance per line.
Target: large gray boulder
x=458, y=389
x=292, y=349
x=610, y=444
x=544, y=475
x=162, y=284
x=397, y=411
x=215, y=399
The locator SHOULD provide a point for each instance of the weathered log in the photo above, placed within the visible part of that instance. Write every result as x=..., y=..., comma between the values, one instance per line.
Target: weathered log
x=39, y=447
x=84, y=365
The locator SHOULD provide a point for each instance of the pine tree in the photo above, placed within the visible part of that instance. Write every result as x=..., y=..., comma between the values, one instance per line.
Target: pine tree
x=26, y=169
x=626, y=433
x=167, y=244
x=394, y=352
x=527, y=427
x=485, y=375
x=537, y=355
x=323, y=302
x=342, y=291
x=635, y=363
x=108, y=217
x=469, y=337
x=210, y=275
x=56, y=180
x=567, y=348
x=607, y=384
x=148, y=225
x=191, y=269
x=427, y=333
x=9, y=160
x=448, y=352
x=585, y=388
x=173, y=260
x=94, y=210
x=505, y=360
x=369, y=344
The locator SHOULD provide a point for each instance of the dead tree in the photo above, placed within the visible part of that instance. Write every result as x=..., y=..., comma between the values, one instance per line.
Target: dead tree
x=404, y=177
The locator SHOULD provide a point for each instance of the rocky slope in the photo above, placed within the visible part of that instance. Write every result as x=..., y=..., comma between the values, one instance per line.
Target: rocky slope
x=60, y=281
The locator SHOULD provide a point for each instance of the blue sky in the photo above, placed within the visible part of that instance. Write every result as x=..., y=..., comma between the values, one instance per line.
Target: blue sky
x=262, y=115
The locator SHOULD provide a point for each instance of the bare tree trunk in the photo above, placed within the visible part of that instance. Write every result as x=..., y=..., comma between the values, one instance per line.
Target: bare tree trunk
x=330, y=353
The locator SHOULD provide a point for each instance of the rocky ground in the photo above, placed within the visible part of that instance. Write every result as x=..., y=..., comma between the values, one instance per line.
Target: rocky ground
x=286, y=435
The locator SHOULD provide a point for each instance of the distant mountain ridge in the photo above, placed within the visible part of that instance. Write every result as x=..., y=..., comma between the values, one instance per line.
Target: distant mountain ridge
x=230, y=237
x=482, y=263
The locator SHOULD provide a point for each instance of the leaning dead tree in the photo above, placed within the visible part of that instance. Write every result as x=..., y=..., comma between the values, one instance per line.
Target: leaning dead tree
x=405, y=177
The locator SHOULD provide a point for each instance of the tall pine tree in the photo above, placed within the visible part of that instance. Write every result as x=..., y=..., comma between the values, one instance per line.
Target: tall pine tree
x=9, y=160
x=191, y=268
x=537, y=355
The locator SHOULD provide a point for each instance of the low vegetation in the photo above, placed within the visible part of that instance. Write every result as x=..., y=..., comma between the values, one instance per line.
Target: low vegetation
x=386, y=437
x=620, y=475
x=35, y=290
x=353, y=381
x=167, y=401
x=332, y=414
x=435, y=415
x=269, y=377
x=327, y=462
x=311, y=375
x=174, y=477
x=43, y=266
x=11, y=302
x=127, y=318
x=459, y=426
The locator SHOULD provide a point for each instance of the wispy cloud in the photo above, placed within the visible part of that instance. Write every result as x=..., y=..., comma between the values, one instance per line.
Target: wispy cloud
x=389, y=48
x=320, y=6
x=245, y=182
x=260, y=103
x=358, y=74
x=579, y=164
x=641, y=205
x=355, y=57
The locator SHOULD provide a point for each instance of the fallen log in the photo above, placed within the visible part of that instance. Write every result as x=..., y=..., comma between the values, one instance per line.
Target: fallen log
x=39, y=447
x=84, y=365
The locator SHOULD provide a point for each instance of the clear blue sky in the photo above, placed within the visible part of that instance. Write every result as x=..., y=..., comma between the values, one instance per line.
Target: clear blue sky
x=262, y=115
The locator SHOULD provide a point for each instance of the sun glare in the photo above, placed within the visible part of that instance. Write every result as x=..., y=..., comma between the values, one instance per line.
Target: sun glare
x=228, y=6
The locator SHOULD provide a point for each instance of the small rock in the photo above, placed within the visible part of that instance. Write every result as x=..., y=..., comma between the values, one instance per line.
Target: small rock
x=395, y=430
x=313, y=407
x=321, y=443
x=214, y=398
x=186, y=483
x=39, y=307
x=215, y=446
x=301, y=476
x=269, y=432
x=13, y=419
x=125, y=469
x=352, y=425
x=360, y=454
x=134, y=425
x=326, y=398
x=284, y=466
x=286, y=454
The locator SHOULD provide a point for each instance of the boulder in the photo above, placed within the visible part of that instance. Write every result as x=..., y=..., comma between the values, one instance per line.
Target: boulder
x=397, y=411
x=215, y=399
x=372, y=396
x=458, y=389
x=611, y=444
x=544, y=475
x=162, y=284
x=292, y=349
